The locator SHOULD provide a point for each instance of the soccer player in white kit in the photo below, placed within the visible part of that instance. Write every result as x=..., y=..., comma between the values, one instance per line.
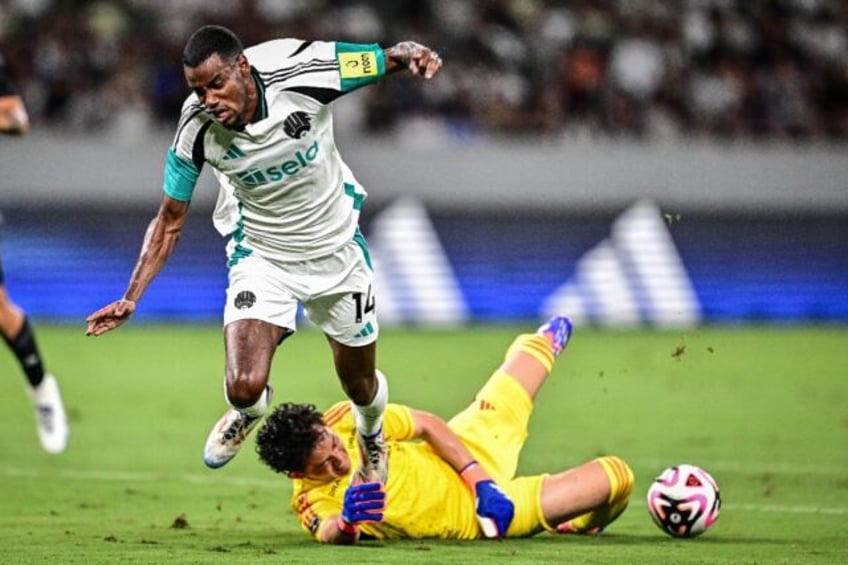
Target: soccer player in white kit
x=15, y=326
x=262, y=118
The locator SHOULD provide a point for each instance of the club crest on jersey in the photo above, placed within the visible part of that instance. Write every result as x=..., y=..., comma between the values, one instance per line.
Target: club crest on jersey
x=244, y=300
x=297, y=124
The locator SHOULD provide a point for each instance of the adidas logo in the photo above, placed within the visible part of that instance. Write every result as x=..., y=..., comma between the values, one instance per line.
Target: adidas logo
x=366, y=331
x=486, y=405
x=632, y=277
x=233, y=153
x=412, y=272
x=635, y=276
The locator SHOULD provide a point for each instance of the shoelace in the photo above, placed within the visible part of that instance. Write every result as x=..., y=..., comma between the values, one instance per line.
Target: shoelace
x=373, y=449
x=237, y=427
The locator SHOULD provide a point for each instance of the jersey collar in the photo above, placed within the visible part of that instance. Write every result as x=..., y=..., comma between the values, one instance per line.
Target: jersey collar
x=262, y=108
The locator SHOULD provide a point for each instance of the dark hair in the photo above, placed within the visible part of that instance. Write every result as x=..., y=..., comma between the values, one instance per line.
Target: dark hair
x=208, y=40
x=288, y=436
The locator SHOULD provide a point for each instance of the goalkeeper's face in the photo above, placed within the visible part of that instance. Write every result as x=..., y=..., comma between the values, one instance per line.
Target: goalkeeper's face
x=329, y=459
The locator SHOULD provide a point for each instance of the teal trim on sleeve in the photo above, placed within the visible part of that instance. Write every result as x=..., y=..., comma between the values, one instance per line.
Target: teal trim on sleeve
x=180, y=177
x=352, y=83
x=381, y=62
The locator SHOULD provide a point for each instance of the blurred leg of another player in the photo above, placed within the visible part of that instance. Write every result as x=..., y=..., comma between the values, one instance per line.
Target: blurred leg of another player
x=42, y=389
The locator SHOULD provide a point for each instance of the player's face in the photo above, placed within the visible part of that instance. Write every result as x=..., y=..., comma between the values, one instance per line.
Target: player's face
x=329, y=460
x=225, y=88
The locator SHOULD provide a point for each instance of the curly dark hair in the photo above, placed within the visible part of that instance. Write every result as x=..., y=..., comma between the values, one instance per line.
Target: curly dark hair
x=288, y=436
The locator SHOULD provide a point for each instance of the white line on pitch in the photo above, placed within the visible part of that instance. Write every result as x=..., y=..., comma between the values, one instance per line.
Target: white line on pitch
x=140, y=476
x=746, y=467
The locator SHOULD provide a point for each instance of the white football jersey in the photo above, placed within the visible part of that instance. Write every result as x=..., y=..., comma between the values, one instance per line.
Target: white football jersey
x=285, y=191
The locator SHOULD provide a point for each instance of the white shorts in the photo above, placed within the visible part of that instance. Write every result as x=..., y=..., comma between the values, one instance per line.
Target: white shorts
x=335, y=292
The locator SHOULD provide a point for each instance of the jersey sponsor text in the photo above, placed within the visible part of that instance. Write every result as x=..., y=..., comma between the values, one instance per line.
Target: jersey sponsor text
x=254, y=177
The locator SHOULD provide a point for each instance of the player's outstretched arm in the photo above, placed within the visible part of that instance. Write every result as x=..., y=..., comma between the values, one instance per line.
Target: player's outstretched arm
x=494, y=509
x=159, y=242
x=419, y=59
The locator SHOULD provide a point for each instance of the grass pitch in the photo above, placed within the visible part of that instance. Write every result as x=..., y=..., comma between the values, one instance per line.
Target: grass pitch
x=762, y=409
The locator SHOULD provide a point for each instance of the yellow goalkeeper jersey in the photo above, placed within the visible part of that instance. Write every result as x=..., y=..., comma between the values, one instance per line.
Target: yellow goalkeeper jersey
x=426, y=498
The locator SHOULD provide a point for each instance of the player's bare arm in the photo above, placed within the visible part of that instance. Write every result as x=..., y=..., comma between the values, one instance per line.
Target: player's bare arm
x=331, y=532
x=446, y=444
x=419, y=59
x=14, y=119
x=159, y=243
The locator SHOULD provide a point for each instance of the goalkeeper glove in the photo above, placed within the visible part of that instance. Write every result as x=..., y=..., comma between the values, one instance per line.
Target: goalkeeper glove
x=363, y=502
x=494, y=509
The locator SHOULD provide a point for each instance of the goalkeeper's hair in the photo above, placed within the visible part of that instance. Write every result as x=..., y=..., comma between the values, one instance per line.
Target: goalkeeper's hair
x=288, y=436
x=207, y=41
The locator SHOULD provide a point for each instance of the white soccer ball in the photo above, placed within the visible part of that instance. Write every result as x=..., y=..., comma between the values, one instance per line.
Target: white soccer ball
x=684, y=501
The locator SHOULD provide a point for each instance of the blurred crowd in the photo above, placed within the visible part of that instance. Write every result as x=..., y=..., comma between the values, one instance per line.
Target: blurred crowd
x=648, y=69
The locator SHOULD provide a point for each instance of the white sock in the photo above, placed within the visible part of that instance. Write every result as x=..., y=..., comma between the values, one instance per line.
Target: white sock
x=369, y=418
x=257, y=409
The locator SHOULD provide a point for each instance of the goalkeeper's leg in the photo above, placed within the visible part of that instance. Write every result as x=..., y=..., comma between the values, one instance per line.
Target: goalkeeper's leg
x=531, y=357
x=588, y=498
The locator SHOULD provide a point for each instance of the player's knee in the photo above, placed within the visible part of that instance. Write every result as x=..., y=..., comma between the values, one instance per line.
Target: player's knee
x=621, y=480
x=243, y=390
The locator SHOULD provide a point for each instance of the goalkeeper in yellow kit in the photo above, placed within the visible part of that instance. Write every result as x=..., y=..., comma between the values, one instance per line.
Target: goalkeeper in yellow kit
x=459, y=482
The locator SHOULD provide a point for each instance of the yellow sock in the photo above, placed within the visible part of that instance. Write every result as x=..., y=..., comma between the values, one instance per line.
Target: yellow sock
x=621, y=483
x=536, y=346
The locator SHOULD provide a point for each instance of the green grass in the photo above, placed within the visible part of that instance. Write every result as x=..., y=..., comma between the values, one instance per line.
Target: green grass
x=764, y=410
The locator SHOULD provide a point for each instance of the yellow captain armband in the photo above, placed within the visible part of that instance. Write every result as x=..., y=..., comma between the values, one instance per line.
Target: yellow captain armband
x=358, y=64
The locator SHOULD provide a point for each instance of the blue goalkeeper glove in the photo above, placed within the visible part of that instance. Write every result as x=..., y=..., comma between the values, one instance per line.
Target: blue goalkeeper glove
x=364, y=502
x=494, y=509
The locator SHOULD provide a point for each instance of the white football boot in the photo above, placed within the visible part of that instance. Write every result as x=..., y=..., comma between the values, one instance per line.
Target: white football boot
x=228, y=435
x=374, y=457
x=50, y=419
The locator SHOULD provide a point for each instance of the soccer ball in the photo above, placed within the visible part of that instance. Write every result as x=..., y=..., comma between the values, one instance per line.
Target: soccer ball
x=684, y=501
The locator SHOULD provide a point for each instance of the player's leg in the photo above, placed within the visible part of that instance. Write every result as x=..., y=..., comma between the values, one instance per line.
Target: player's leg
x=43, y=389
x=250, y=347
x=494, y=425
x=531, y=357
x=586, y=499
x=258, y=315
x=345, y=310
x=368, y=391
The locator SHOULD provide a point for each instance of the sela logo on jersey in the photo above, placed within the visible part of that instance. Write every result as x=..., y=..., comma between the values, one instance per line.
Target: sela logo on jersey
x=301, y=159
x=357, y=65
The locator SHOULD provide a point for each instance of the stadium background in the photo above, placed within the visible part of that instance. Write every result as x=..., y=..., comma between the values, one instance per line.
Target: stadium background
x=632, y=163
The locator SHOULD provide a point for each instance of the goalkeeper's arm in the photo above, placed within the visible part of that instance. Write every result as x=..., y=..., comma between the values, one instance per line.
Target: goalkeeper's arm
x=494, y=509
x=363, y=502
